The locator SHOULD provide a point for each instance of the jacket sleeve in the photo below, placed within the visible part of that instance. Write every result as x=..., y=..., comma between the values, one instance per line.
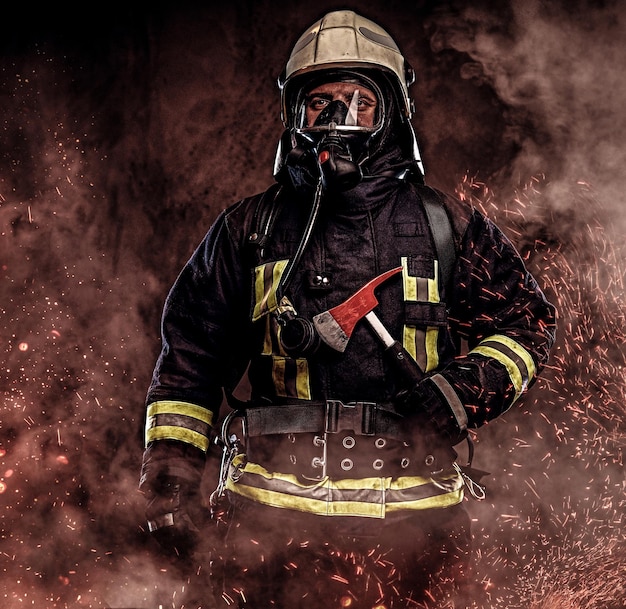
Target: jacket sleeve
x=497, y=308
x=204, y=320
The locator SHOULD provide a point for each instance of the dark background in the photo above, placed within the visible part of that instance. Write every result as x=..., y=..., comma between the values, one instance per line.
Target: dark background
x=126, y=129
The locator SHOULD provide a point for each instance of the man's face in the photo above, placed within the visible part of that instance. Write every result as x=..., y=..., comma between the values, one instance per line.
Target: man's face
x=360, y=101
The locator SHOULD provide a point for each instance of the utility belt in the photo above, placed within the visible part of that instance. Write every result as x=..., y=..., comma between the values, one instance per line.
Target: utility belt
x=313, y=440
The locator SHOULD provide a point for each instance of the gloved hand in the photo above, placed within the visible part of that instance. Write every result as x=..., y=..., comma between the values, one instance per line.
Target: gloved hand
x=427, y=408
x=174, y=512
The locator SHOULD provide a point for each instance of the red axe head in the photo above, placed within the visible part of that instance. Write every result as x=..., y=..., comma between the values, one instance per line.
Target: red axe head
x=336, y=325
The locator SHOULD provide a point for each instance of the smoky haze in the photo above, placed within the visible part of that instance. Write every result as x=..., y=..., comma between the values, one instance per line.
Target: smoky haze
x=121, y=143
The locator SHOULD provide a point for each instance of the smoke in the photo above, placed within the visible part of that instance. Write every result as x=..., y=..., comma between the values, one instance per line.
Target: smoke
x=556, y=68
x=121, y=144
x=553, y=529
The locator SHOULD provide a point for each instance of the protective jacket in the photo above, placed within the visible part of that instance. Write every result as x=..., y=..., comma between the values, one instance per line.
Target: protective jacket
x=325, y=432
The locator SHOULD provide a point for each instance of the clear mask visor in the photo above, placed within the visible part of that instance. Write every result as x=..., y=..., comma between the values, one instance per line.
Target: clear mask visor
x=343, y=106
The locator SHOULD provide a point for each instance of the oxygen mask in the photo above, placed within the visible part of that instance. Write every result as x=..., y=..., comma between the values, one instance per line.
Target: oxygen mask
x=338, y=120
x=336, y=161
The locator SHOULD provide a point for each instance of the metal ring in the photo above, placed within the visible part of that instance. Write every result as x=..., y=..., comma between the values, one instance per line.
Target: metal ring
x=347, y=464
x=404, y=463
x=429, y=460
x=348, y=442
x=380, y=442
x=378, y=464
x=317, y=462
x=292, y=459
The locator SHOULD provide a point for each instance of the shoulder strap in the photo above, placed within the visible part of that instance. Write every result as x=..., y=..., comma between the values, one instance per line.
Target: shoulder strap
x=263, y=220
x=441, y=229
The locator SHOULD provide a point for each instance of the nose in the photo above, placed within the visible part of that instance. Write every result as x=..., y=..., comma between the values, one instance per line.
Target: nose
x=335, y=112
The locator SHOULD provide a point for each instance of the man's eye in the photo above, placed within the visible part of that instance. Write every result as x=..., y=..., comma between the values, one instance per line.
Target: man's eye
x=318, y=103
x=365, y=103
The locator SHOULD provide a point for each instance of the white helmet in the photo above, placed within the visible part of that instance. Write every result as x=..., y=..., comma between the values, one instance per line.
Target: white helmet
x=344, y=39
x=345, y=42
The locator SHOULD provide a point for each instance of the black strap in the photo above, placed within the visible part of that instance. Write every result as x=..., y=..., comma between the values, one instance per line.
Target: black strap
x=331, y=416
x=263, y=220
x=441, y=230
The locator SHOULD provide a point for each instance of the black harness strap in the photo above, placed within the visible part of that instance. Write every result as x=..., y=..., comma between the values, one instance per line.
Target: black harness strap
x=441, y=230
x=263, y=221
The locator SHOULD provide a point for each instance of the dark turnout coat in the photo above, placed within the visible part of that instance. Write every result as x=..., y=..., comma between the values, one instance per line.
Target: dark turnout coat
x=325, y=433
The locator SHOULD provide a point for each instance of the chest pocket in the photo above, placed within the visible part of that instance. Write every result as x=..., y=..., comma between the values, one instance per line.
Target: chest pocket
x=425, y=314
x=289, y=375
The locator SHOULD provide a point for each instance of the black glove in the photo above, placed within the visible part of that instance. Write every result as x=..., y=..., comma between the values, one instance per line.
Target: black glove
x=426, y=407
x=174, y=512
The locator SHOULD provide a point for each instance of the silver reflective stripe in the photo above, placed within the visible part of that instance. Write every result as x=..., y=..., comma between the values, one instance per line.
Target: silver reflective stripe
x=453, y=400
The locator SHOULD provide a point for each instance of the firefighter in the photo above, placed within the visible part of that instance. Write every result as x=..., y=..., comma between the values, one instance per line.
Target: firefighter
x=340, y=484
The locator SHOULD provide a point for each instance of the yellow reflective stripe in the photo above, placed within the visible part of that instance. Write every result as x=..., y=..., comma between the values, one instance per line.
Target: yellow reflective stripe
x=409, y=340
x=428, y=359
x=432, y=352
x=168, y=432
x=509, y=364
x=409, y=283
x=520, y=351
x=170, y=419
x=307, y=504
x=303, y=387
x=343, y=508
x=278, y=374
x=239, y=462
x=432, y=333
x=438, y=501
x=409, y=333
x=291, y=377
x=520, y=378
x=267, y=340
x=376, y=495
x=184, y=408
x=265, y=288
x=259, y=291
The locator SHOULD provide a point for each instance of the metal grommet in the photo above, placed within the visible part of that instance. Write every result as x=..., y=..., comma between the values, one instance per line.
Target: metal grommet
x=348, y=442
x=404, y=462
x=291, y=438
x=292, y=459
x=318, y=441
x=429, y=460
x=380, y=443
x=378, y=464
x=317, y=462
x=347, y=464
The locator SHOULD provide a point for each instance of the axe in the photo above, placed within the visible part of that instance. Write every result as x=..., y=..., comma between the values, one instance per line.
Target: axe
x=336, y=325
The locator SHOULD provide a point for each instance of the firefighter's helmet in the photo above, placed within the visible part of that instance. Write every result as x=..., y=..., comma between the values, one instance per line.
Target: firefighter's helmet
x=342, y=40
x=343, y=46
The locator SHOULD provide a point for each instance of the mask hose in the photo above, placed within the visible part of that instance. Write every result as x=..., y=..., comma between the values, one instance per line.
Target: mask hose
x=287, y=275
x=298, y=336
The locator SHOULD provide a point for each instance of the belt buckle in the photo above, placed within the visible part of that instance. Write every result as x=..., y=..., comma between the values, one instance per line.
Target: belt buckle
x=358, y=417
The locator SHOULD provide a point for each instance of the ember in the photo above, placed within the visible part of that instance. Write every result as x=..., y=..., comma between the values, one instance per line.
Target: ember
x=115, y=155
